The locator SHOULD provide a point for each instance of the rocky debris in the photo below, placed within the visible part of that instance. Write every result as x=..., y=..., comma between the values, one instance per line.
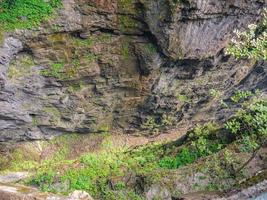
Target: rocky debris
x=199, y=196
x=158, y=192
x=13, y=177
x=255, y=192
x=102, y=66
x=18, y=192
x=79, y=195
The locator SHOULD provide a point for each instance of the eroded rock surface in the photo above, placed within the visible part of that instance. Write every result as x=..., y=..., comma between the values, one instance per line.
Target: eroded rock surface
x=101, y=65
x=18, y=192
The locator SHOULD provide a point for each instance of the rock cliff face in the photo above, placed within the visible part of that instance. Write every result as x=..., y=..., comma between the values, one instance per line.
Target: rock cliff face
x=124, y=65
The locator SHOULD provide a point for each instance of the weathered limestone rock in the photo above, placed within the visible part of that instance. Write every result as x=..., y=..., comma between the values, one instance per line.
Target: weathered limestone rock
x=18, y=192
x=80, y=195
x=197, y=29
x=13, y=177
x=113, y=65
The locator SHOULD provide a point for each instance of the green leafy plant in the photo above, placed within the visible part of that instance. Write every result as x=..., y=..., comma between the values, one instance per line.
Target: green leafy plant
x=25, y=13
x=183, y=98
x=55, y=70
x=233, y=126
x=241, y=96
x=151, y=125
x=215, y=93
x=250, y=121
x=248, y=144
x=185, y=157
x=251, y=43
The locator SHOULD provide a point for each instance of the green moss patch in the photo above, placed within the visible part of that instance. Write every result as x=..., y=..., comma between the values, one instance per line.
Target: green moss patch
x=25, y=13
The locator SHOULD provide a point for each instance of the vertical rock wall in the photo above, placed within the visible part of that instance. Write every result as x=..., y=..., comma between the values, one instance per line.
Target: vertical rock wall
x=123, y=65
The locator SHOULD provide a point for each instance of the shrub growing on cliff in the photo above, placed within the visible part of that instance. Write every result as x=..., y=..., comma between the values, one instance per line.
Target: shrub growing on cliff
x=251, y=43
x=250, y=123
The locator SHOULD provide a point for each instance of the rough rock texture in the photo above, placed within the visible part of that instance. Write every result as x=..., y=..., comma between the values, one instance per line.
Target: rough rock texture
x=102, y=65
x=13, y=177
x=18, y=192
x=256, y=192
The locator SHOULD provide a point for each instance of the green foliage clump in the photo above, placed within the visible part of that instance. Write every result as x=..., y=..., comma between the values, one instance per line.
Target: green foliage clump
x=250, y=124
x=79, y=42
x=251, y=43
x=68, y=68
x=55, y=70
x=248, y=144
x=215, y=93
x=203, y=142
x=183, y=158
x=25, y=13
x=240, y=96
x=153, y=125
x=183, y=98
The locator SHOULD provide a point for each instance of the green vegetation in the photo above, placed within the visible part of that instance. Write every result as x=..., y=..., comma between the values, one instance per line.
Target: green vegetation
x=251, y=43
x=153, y=125
x=96, y=171
x=127, y=22
x=183, y=158
x=1, y=35
x=125, y=49
x=215, y=93
x=25, y=13
x=20, y=67
x=79, y=42
x=202, y=142
x=102, y=172
x=240, y=96
x=249, y=126
x=66, y=69
x=183, y=98
x=126, y=6
x=104, y=37
x=55, y=70
x=150, y=48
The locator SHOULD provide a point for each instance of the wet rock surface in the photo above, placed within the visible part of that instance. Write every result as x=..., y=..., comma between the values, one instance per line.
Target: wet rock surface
x=112, y=66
